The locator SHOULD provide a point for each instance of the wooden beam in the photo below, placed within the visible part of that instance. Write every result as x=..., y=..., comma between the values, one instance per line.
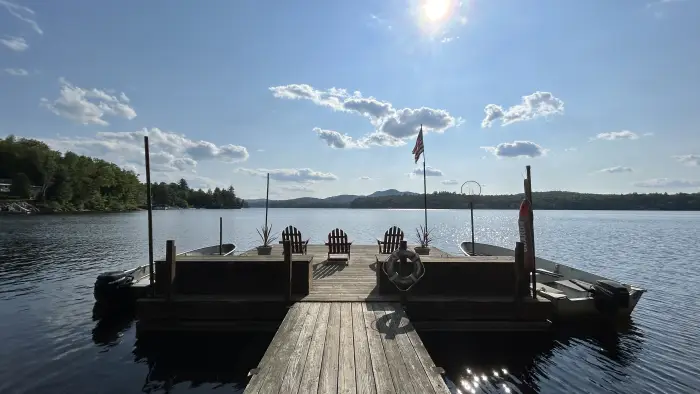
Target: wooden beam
x=287, y=253
x=170, y=265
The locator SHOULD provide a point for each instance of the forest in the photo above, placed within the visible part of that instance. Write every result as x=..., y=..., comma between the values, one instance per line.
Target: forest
x=540, y=200
x=69, y=182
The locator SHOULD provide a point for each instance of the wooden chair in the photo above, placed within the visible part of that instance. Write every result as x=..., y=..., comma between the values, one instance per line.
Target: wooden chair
x=338, y=243
x=294, y=236
x=392, y=240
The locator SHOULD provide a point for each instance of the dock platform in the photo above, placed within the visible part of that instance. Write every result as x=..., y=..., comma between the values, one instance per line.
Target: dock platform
x=252, y=292
x=346, y=347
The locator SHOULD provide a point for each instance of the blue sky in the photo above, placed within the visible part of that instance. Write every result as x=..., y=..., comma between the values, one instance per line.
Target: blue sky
x=598, y=96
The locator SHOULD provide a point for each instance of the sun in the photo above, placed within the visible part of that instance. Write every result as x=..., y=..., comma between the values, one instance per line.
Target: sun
x=436, y=10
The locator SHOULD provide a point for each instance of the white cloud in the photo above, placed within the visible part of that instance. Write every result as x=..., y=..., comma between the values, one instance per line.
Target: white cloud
x=429, y=171
x=169, y=152
x=88, y=106
x=450, y=182
x=616, y=170
x=533, y=106
x=22, y=13
x=17, y=44
x=335, y=139
x=668, y=183
x=616, y=135
x=391, y=124
x=570, y=150
x=17, y=72
x=365, y=178
x=689, y=160
x=299, y=175
x=516, y=149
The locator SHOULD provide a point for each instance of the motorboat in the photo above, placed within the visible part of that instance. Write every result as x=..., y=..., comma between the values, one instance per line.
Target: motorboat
x=575, y=293
x=126, y=285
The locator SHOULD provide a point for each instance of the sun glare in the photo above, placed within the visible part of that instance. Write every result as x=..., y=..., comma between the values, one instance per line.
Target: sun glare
x=436, y=10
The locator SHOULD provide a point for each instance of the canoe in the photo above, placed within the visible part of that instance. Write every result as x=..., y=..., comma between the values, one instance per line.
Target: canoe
x=227, y=249
x=576, y=294
x=120, y=286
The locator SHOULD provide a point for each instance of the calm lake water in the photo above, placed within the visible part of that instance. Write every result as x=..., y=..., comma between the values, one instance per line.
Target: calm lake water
x=50, y=342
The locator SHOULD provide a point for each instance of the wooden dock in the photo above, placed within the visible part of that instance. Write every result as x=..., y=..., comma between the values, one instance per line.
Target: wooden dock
x=337, y=281
x=345, y=326
x=346, y=347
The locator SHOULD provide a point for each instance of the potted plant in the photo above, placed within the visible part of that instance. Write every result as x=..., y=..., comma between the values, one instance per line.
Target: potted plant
x=266, y=236
x=424, y=239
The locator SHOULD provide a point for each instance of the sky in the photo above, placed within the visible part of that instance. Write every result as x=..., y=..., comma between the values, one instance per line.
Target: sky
x=328, y=97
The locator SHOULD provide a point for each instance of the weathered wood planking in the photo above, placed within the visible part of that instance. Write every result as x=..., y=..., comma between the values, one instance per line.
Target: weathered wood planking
x=349, y=348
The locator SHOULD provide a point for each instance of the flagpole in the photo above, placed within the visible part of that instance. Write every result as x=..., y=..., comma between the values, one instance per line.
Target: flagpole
x=425, y=186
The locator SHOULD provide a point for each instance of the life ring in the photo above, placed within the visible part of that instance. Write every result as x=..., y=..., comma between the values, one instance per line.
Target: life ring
x=391, y=269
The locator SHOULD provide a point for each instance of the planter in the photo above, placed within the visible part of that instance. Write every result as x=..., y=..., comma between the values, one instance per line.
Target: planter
x=264, y=250
x=422, y=251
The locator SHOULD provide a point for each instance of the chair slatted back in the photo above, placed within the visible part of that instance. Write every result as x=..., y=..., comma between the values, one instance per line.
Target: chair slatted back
x=392, y=240
x=338, y=242
x=294, y=236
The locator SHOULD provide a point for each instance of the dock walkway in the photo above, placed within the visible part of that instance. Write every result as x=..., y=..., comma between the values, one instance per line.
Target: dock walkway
x=346, y=347
x=340, y=282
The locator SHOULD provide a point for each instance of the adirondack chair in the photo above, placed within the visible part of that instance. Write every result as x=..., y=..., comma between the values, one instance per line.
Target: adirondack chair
x=294, y=236
x=338, y=243
x=392, y=240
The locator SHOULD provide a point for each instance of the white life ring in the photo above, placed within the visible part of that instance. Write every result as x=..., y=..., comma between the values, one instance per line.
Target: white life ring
x=391, y=269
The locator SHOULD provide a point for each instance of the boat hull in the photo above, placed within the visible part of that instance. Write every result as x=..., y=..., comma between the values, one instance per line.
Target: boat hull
x=554, y=282
x=125, y=286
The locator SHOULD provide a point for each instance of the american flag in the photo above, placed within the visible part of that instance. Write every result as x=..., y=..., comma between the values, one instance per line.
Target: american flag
x=418, y=149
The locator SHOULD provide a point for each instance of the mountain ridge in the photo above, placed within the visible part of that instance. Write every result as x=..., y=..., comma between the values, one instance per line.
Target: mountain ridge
x=339, y=201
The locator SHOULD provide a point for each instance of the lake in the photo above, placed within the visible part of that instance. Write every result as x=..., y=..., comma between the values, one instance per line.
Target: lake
x=50, y=343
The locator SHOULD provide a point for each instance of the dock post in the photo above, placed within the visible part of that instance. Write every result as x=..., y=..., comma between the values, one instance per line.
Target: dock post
x=287, y=253
x=471, y=210
x=520, y=274
x=221, y=235
x=528, y=195
x=170, y=265
x=151, y=271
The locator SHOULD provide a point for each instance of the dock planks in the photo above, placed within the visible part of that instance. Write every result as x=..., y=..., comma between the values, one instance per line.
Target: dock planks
x=346, y=347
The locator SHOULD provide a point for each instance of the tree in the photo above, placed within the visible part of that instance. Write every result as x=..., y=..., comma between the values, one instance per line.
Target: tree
x=21, y=186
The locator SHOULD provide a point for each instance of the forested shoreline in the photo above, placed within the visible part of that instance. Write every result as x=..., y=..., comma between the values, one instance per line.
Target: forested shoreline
x=552, y=200
x=56, y=182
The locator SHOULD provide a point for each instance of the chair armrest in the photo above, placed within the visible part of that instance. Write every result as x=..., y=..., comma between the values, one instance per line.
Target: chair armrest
x=307, y=241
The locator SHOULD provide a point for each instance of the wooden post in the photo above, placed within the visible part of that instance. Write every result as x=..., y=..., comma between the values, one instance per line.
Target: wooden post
x=221, y=235
x=520, y=274
x=528, y=195
x=287, y=253
x=471, y=210
x=170, y=265
x=151, y=270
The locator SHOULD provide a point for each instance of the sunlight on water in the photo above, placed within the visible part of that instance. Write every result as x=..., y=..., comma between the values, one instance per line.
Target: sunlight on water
x=54, y=340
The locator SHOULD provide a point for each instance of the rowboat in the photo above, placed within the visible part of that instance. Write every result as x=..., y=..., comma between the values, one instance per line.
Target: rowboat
x=576, y=294
x=124, y=285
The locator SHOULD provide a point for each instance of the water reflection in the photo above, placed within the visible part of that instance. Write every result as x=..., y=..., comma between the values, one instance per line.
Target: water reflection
x=537, y=362
x=199, y=361
x=111, y=323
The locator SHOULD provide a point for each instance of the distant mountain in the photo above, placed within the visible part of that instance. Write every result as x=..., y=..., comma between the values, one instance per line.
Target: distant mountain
x=341, y=201
x=390, y=193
